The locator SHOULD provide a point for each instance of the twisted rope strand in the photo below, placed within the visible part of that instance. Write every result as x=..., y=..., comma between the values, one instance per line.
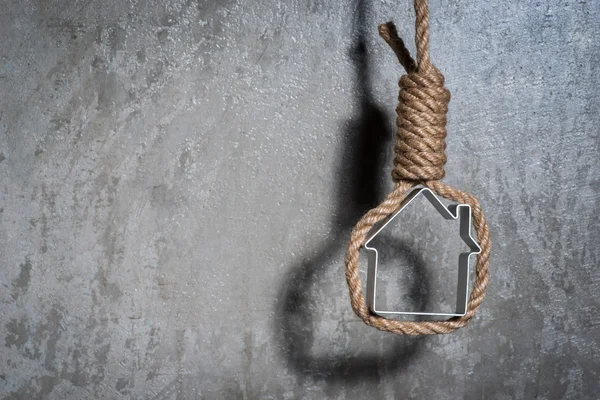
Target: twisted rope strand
x=419, y=159
x=390, y=35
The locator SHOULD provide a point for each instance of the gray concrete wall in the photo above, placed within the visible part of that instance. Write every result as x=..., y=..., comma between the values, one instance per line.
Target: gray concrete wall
x=178, y=180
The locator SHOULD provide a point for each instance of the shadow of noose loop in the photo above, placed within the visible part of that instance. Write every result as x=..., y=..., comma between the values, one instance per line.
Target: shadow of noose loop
x=366, y=150
x=299, y=317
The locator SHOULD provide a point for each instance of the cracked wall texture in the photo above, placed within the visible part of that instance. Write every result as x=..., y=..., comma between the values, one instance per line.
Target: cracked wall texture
x=178, y=180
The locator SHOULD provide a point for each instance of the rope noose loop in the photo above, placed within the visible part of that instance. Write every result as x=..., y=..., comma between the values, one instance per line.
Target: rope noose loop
x=419, y=159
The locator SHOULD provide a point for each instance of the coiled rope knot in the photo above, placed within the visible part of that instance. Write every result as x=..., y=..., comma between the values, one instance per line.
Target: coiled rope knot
x=420, y=150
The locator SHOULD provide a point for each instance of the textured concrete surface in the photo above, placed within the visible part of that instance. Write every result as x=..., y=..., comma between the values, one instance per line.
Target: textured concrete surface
x=178, y=180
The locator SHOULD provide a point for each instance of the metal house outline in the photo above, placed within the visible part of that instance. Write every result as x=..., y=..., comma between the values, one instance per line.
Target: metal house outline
x=461, y=212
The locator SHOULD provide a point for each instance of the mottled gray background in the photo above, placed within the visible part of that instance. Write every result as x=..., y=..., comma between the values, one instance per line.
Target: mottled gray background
x=178, y=180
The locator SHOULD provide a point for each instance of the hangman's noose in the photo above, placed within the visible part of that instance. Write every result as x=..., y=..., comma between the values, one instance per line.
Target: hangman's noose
x=419, y=160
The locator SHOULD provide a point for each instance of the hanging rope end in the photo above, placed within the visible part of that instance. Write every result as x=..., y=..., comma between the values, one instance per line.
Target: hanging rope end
x=386, y=29
x=389, y=33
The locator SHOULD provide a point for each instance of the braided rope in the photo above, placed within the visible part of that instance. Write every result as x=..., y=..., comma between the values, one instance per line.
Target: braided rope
x=419, y=159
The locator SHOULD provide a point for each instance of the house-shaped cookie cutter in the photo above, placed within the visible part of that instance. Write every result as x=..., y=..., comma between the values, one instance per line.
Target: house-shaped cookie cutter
x=461, y=212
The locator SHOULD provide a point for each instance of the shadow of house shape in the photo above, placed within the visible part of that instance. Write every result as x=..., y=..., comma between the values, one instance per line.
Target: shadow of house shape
x=459, y=212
